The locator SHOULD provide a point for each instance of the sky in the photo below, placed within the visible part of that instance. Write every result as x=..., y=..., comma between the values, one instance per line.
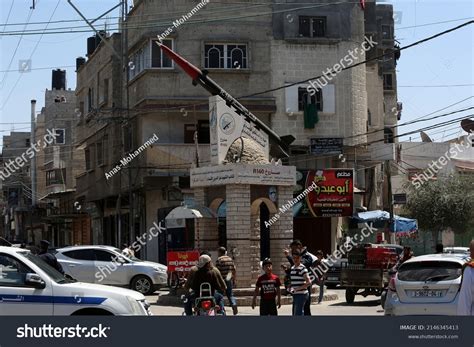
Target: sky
x=431, y=76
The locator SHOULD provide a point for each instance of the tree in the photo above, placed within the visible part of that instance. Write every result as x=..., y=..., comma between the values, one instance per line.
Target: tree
x=443, y=203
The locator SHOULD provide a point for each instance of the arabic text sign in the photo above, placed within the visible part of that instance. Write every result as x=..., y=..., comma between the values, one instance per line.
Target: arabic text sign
x=334, y=194
x=322, y=145
x=243, y=174
x=182, y=261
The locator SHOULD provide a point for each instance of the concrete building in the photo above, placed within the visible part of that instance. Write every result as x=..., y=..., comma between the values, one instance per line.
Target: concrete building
x=59, y=165
x=16, y=185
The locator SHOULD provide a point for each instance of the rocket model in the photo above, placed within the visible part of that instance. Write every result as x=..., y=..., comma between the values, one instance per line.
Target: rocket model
x=200, y=77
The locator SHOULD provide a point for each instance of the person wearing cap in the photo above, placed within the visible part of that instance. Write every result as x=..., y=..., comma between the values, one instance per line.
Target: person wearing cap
x=300, y=281
x=205, y=273
x=226, y=266
x=49, y=258
x=269, y=286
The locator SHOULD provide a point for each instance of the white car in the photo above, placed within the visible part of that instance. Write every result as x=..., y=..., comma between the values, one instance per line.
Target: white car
x=426, y=285
x=29, y=286
x=107, y=265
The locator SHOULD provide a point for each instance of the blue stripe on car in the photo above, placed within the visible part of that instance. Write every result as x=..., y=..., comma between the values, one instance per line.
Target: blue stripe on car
x=46, y=299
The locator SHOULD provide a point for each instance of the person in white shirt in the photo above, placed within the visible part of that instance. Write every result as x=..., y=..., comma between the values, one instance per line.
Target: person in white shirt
x=466, y=294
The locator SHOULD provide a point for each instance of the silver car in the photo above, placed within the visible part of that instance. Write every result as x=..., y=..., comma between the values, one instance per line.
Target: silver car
x=107, y=265
x=426, y=285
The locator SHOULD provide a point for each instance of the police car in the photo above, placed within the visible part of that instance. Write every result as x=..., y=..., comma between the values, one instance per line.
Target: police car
x=29, y=286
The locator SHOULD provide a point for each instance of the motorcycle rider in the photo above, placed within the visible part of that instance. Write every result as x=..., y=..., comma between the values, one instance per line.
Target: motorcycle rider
x=205, y=273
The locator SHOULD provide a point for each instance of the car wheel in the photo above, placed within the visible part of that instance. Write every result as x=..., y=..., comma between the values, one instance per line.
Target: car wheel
x=350, y=295
x=142, y=284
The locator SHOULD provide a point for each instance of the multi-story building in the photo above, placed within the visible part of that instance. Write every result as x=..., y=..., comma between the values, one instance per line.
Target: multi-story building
x=16, y=185
x=246, y=56
x=59, y=164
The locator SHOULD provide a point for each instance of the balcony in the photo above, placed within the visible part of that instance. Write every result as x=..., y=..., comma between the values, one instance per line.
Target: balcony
x=175, y=159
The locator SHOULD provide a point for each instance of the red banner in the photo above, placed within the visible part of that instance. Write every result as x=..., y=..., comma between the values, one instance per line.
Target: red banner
x=334, y=192
x=182, y=261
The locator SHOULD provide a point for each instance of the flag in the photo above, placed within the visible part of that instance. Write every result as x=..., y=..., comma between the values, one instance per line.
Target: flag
x=362, y=4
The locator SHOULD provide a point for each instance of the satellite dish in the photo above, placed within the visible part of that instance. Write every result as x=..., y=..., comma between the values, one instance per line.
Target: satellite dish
x=467, y=125
x=425, y=137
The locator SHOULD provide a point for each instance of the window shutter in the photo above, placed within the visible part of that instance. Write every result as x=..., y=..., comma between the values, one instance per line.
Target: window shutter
x=291, y=99
x=329, y=99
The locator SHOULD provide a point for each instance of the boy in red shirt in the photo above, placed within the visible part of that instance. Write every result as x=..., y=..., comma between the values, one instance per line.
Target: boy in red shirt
x=269, y=287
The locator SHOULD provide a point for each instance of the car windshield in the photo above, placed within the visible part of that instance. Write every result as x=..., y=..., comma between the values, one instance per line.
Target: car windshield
x=429, y=271
x=51, y=272
x=130, y=257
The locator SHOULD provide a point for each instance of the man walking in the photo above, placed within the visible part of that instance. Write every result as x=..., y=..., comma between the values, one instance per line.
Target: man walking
x=466, y=294
x=49, y=258
x=299, y=283
x=320, y=263
x=226, y=266
x=269, y=286
x=307, y=259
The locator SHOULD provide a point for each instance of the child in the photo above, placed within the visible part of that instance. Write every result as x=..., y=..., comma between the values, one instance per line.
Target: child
x=269, y=287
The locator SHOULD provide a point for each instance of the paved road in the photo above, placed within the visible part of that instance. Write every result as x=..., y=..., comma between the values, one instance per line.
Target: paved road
x=369, y=306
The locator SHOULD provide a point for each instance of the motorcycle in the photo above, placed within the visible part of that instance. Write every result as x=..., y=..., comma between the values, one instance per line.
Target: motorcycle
x=205, y=304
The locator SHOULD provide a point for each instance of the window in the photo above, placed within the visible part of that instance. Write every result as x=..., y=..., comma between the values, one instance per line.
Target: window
x=312, y=26
x=87, y=154
x=425, y=271
x=104, y=256
x=81, y=254
x=60, y=136
x=388, y=135
x=150, y=56
x=81, y=108
x=387, y=81
x=305, y=97
x=158, y=58
x=12, y=272
x=27, y=142
x=90, y=99
x=225, y=56
x=56, y=176
x=189, y=130
x=99, y=153
x=387, y=32
x=104, y=92
x=203, y=131
x=105, y=145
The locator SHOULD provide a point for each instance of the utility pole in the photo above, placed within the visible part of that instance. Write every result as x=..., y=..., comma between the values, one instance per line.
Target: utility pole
x=391, y=222
x=32, y=170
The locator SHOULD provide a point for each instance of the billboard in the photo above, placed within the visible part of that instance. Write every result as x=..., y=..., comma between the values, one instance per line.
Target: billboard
x=182, y=261
x=334, y=194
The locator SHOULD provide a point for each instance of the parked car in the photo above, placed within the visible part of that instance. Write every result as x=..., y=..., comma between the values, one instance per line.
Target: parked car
x=456, y=250
x=29, y=286
x=426, y=285
x=107, y=265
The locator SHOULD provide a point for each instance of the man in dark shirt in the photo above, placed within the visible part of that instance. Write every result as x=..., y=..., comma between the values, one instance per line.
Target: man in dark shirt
x=49, y=258
x=205, y=273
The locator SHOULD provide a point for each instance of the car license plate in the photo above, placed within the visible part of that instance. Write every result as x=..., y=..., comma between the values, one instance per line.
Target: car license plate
x=428, y=293
x=332, y=278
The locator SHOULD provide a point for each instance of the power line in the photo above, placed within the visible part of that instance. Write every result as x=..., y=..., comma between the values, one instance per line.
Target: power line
x=8, y=16
x=31, y=55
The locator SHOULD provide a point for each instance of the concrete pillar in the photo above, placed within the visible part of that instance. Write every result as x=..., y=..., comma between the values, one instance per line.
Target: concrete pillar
x=239, y=231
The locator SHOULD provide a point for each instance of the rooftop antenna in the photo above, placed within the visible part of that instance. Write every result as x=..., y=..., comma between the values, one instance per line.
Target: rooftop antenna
x=33, y=5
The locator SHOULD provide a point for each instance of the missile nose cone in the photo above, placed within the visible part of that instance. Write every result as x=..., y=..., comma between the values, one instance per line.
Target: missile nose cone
x=189, y=68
